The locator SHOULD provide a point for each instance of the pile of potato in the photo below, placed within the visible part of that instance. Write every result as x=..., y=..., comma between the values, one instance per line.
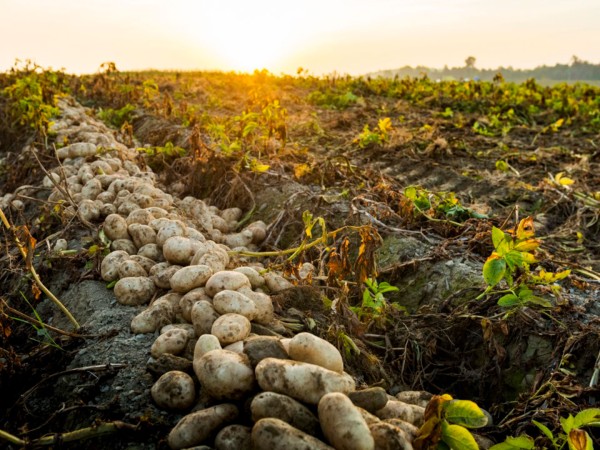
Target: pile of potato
x=239, y=383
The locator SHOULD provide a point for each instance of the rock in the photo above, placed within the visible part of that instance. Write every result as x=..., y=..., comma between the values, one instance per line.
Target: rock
x=167, y=362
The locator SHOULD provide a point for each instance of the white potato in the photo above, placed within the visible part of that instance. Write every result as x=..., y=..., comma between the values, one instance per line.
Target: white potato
x=153, y=318
x=187, y=302
x=131, y=268
x=224, y=374
x=230, y=328
x=151, y=251
x=197, y=427
x=276, y=283
x=226, y=279
x=205, y=344
x=234, y=437
x=256, y=280
x=395, y=409
x=174, y=390
x=203, y=317
x=180, y=249
x=312, y=349
x=173, y=342
x=234, y=302
x=342, y=424
x=162, y=277
x=134, y=290
x=190, y=277
x=140, y=216
x=275, y=434
x=126, y=245
x=109, y=268
x=272, y=404
x=170, y=229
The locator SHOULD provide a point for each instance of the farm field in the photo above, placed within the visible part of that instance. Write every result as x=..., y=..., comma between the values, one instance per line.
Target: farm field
x=443, y=236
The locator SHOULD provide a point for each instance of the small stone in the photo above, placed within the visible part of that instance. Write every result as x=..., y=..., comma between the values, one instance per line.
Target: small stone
x=371, y=399
x=260, y=347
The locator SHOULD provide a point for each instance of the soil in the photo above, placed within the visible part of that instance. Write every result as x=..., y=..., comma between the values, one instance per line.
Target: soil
x=521, y=364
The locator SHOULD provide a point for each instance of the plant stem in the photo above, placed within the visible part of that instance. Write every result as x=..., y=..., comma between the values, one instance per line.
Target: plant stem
x=34, y=274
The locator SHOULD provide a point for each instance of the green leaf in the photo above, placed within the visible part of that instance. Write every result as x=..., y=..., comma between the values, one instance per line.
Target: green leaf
x=458, y=437
x=539, y=301
x=498, y=236
x=511, y=443
x=544, y=429
x=493, y=271
x=509, y=300
x=410, y=193
x=567, y=423
x=590, y=416
x=465, y=413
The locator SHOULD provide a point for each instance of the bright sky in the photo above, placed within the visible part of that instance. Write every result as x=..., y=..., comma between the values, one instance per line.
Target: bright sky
x=347, y=36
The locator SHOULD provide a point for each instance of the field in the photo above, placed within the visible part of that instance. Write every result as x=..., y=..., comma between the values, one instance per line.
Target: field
x=444, y=236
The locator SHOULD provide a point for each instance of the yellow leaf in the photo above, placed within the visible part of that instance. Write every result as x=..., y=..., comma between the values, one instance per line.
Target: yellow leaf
x=301, y=170
x=525, y=229
x=562, y=180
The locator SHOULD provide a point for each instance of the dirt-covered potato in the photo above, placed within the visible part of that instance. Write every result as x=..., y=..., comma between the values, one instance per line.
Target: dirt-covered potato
x=234, y=302
x=220, y=224
x=146, y=263
x=134, y=290
x=205, y=344
x=231, y=214
x=420, y=398
x=187, y=302
x=172, y=342
x=126, y=245
x=271, y=404
x=141, y=234
x=275, y=434
x=140, y=216
x=224, y=374
x=174, y=390
x=217, y=259
x=409, y=429
x=190, y=277
x=259, y=231
x=203, y=317
x=256, y=280
x=88, y=210
x=276, y=283
x=180, y=249
x=170, y=229
x=389, y=437
x=197, y=427
x=162, y=276
x=109, y=268
x=230, y=328
x=342, y=424
x=241, y=239
x=395, y=409
x=226, y=279
x=302, y=381
x=151, y=251
x=234, y=437
x=264, y=306
x=131, y=268
x=156, y=316
x=312, y=349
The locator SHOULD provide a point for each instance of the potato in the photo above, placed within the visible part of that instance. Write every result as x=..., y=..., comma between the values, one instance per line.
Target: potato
x=264, y=306
x=259, y=231
x=162, y=277
x=146, y=263
x=156, y=212
x=198, y=210
x=205, y=344
x=180, y=249
x=236, y=347
x=343, y=424
x=230, y=328
x=106, y=197
x=260, y=347
x=234, y=437
x=276, y=283
x=109, y=268
x=174, y=390
x=172, y=342
x=194, y=234
x=409, y=429
x=226, y=279
x=275, y=434
x=107, y=209
x=256, y=280
x=88, y=210
x=220, y=224
x=203, y=317
x=420, y=398
x=188, y=278
x=141, y=234
x=156, y=316
x=151, y=251
x=187, y=327
x=312, y=349
x=234, y=302
x=159, y=222
x=231, y=214
x=131, y=268
x=197, y=427
x=216, y=259
x=224, y=374
x=134, y=290
x=170, y=229
x=126, y=207
x=124, y=244
x=388, y=437
x=302, y=381
x=91, y=189
x=271, y=404
x=395, y=409
x=241, y=239
x=187, y=302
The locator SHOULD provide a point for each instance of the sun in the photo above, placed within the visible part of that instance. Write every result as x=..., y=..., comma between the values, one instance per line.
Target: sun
x=246, y=35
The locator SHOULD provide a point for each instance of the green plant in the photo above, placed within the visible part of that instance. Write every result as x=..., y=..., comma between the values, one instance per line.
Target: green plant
x=437, y=205
x=378, y=136
x=374, y=305
x=511, y=261
x=572, y=435
x=116, y=117
x=158, y=157
x=446, y=424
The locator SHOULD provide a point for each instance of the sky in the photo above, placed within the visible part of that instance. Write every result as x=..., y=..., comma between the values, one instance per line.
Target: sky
x=322, y=36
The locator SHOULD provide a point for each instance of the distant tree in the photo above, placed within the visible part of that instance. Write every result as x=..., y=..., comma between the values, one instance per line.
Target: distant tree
x=470, y=62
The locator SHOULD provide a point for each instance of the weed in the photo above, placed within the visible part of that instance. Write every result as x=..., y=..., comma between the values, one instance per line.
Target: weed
x=374, y=305
x=117, y=117
x=378, y=136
